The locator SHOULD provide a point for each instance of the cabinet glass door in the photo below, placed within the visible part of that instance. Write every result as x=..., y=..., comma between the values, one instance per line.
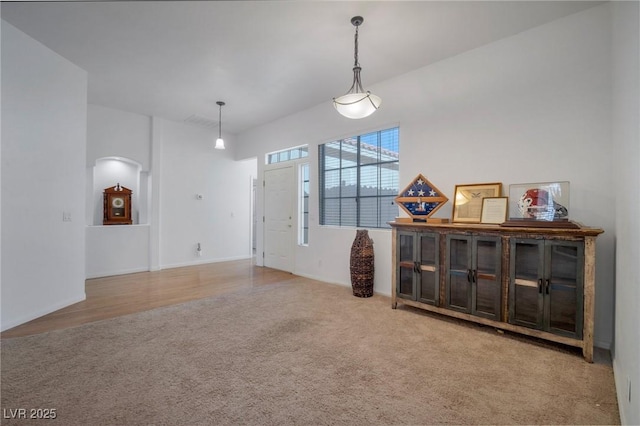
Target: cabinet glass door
x=486, y=277
x=525, y=283
x=459, y=273
x=406, y=266
x=429, y=287
x=563, y=291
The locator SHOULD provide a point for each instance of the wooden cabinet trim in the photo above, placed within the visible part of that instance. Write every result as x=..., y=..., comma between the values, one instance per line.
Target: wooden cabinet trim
x=525, y=232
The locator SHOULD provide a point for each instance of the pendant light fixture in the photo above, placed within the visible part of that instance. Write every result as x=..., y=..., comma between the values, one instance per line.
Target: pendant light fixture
x=357, y=103
x=219, y=141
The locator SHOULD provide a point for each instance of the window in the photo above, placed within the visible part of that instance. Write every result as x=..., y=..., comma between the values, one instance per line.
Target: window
x=359, y=180
x=303, y=209
x=287, y=155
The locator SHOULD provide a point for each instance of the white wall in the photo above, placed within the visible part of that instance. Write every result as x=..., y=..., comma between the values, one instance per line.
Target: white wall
x=626, y=145
x=118, y=151
x=221, y=221
x=180, y=162
x=533, y=107
x=44, y=107
x=117, y=249
x=113, y=132
x=530, y=108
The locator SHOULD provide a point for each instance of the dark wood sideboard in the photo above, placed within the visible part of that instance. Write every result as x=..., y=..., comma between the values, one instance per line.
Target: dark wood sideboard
x=535, y=281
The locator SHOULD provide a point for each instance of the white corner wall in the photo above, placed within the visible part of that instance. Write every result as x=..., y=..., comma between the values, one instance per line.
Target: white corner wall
x=626, y=146
x=533, y=107
x=44, y=116
x=221, y=221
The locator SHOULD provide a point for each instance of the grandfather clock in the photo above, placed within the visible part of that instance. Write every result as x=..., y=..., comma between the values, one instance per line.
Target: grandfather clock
x=117, y=206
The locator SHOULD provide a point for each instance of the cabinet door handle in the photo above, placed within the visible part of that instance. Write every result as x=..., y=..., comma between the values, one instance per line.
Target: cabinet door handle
x=540, y=285
x=547, y=286
x=474, y=276
x=469, y=275
x=416, y=267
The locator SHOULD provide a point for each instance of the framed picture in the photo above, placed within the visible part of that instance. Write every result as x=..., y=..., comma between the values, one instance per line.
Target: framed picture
x=467, y=203
x=544, y=201
x=494, y=210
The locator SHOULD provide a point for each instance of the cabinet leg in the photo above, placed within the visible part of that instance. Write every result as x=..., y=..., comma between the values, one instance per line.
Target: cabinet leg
x=394, y=305
x=587, y=352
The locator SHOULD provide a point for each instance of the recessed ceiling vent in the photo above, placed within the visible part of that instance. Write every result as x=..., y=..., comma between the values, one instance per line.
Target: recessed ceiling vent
x=196, y=120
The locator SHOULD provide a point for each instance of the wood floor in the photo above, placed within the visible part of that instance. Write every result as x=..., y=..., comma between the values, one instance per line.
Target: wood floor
x=119, y=295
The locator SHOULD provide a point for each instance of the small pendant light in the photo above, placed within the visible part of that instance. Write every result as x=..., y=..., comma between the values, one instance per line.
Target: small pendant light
x=219, y=141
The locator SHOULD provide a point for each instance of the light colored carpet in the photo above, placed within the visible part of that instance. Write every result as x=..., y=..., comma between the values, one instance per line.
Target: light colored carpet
x=302, y=353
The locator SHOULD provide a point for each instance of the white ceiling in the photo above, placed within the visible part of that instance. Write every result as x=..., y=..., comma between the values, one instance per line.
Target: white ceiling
x=265, y=59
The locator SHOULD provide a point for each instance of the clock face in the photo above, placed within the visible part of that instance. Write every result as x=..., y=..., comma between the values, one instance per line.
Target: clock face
x=117, y=202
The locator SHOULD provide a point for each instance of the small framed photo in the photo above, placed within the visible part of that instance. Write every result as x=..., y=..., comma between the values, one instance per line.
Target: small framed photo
x=544, y=201
x=467, y=203
x=494, y=210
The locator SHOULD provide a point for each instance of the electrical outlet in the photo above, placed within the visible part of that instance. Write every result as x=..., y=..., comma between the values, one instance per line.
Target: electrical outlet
x=66, y=216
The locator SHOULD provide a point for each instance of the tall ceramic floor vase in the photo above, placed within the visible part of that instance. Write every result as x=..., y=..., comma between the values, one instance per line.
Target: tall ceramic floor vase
x=362, y=264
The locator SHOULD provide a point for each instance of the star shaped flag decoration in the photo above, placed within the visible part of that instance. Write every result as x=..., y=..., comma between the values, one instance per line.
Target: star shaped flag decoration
x=421, y=198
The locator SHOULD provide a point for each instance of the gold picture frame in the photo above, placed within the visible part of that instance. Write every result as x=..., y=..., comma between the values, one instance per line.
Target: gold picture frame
x=494, y=210
x=467, y=200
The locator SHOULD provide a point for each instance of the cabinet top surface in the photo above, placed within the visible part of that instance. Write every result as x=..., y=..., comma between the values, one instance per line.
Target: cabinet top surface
x=498, y=229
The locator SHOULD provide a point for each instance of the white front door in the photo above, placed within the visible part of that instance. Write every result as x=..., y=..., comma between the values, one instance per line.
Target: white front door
x=278, y=218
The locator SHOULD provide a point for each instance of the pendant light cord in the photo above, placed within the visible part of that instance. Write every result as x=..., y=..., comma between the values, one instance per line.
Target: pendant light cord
x=220, y=122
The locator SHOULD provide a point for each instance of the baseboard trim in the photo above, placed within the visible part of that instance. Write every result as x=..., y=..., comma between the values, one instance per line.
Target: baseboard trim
x=42, y=312
x=203, y=262
x=323, y=279
x=116, y=272
x=161, y=267
x=602, y=344
x=621, y=390
x=344, y=284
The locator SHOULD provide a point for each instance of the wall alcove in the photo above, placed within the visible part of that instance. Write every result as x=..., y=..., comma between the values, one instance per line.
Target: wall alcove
x=117, y=249
x=109, y=171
